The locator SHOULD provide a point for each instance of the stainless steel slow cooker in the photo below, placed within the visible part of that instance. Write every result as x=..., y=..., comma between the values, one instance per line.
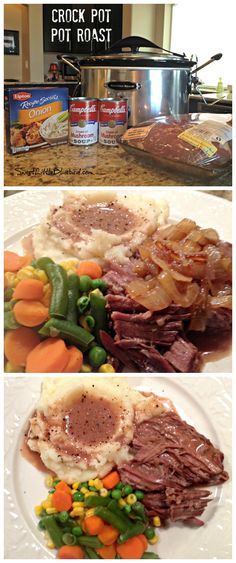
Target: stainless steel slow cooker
x=154, y=83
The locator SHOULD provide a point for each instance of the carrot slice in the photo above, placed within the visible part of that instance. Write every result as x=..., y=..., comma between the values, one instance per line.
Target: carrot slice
x=70, y=552
x=91, y=269
x=131, y=549
x=29, y=289
x=108, y=535
x=12, y=261
x=107, y=552
x=30, y=313
x=26, y=260
x=62, y=486
x=18, y=344
x=111, y=480
x=75, y=360
x=94, y=525
x=61, y=501
x=50, y=356
x=144, y=541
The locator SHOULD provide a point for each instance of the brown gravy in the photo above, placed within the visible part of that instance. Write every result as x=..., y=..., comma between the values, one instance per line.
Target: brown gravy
x=90, y=420
x=214, y=346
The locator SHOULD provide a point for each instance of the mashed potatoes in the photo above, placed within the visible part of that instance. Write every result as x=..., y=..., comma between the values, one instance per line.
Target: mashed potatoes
x=98, y=226
x=83, y=426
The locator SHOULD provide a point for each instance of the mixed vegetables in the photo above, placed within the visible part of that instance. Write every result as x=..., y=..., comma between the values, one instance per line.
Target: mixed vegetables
x=99, y=519
x=52, y=315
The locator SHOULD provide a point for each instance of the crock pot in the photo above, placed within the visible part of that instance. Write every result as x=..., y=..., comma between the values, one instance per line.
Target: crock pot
x=155, y=83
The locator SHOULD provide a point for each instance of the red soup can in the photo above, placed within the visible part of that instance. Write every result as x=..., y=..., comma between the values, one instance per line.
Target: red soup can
x=113, y=119
x=83, y=121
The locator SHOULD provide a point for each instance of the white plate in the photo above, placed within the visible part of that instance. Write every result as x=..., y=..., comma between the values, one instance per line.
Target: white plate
x=24, y=210
x=204, y=402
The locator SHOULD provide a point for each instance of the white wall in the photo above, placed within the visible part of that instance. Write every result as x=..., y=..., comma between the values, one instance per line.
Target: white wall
x=36, y=42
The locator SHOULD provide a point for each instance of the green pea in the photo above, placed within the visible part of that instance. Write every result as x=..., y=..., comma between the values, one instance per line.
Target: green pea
x=93, y=489
x=78, y=496
x=127, y=508
x=139, y=495
x=63, y=516
x=84, y=484
x=116, y=494
x=90, y=321
x=85, y=284
x=77, y=531
x=41, y=525
x=51, y=491
x=127, y=490
x=97, y=356
x=119, y=485
x=8, y=292
x=99, y=284
x=149, y=533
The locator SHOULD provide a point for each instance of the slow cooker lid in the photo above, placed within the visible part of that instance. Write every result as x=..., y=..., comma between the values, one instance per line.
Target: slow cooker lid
x=118, y=55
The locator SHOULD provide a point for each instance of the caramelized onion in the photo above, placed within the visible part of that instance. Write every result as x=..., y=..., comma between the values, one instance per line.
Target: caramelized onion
x=185, y=298
x=150, y=294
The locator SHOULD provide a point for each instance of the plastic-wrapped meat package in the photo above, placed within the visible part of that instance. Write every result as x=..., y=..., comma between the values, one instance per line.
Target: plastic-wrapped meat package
x=198, y=144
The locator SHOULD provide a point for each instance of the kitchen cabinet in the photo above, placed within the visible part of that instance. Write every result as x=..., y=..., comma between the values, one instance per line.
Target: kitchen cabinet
x=87, y=44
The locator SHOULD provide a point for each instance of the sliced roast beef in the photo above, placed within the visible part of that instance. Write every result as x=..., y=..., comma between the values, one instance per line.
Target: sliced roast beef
x=171, y=459
x=219, y=319
x=183, y=356
x=123, y=303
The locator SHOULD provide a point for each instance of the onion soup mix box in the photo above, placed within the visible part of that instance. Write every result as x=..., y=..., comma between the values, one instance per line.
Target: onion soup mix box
x=36, y=117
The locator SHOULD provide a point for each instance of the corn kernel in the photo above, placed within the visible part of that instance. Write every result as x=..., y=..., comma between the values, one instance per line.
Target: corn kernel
x=46, y=504
x=91, y=483
x=78, y=511
x=9, y=368
x=69, y=265
x=154, y=540
x=38, y=510
x=90, y=494
x=41, y=275
x=86, y=368
x=26, y=273
x=103, y=492
x=76, y=485
x=51, y=545
x=131, y=499
x=121, y=503
x=98, y=484
x=77, y=503
x=106, y=368
x=156, y=521
x=10, y=279
x=51, y=510
x=49, y=481
x=84, y=490
x=90, y=512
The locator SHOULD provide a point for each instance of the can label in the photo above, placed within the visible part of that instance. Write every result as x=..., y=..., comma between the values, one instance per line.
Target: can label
x=83, y=121
x=113, y=120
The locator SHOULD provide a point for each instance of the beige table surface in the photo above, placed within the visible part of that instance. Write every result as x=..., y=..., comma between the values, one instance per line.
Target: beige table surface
x=95, y=165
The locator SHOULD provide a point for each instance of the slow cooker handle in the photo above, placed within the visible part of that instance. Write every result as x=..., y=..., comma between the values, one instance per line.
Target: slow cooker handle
x=71, y=61
x=135, y=42
x=216, y=57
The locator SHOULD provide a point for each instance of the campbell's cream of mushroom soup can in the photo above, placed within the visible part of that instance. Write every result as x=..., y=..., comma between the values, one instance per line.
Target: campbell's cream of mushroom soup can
x=83, y=121
x=113, y=119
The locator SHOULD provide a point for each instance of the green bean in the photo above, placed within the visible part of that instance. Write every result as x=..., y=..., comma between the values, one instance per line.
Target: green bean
x=73, y=294
x=134, y=530
x=10, y=321
x=98, y=312
x=111, y=517
x=138, y=508
x=89, y=541
x=93, y=501
x=59, y=283
x=114, y=507
x=150, y=555
x=91, y=554
x=8, y=292
x=53, y=529
x=43, y=262
x=7, y=306
x=68, y=331
x=69, y=539
x=83, y=303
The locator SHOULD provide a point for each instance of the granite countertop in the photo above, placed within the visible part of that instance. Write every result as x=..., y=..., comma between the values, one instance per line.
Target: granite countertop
x=94, y=165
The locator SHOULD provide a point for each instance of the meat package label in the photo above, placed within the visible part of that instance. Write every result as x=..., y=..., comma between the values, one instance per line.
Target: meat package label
x=204, y=135
x=139, y=133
